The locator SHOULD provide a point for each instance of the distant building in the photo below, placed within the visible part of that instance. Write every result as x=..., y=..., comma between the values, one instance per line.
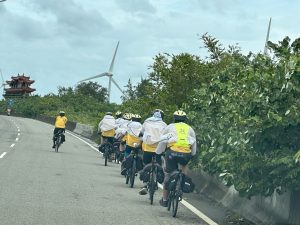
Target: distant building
x=19, y=86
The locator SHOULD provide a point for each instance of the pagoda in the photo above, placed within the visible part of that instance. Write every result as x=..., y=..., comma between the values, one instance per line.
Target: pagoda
x=19, y=86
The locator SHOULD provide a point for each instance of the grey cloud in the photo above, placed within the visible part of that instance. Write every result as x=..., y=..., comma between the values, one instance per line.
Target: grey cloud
x=73, y=18
x=136, y=6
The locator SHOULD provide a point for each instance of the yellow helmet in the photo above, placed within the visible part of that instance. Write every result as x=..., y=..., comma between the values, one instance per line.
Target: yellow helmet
x=136, y=117
x=179, y=115
x=127, y=116
x=118, y=113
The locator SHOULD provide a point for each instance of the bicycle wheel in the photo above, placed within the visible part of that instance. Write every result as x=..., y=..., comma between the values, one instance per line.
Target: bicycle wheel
x=57, y=143
x=132, y=175
x=106, y=153
x=170, y=199
x=128, y=174
x=152, y=186
x=175, y=204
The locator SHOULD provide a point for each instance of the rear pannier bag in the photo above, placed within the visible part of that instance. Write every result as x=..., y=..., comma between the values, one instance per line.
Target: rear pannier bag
x=145, y=173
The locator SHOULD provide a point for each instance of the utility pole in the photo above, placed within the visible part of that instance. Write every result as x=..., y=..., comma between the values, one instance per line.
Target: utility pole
x=267, y=38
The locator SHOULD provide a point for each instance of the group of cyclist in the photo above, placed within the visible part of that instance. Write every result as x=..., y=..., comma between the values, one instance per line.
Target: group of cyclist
x=176, y=140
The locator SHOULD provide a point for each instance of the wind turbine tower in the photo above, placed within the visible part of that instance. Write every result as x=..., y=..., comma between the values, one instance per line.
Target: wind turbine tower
x=267, y=38
x=109, y=74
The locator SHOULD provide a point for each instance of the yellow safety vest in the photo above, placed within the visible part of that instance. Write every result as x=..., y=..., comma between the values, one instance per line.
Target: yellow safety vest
x=108, y=133
x=131, y=139
x=182, y=144
x=61, y=121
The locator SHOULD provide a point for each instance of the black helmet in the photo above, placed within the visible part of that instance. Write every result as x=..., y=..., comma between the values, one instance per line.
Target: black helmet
x=108, y=113
x=179, y=116
x=62, y=113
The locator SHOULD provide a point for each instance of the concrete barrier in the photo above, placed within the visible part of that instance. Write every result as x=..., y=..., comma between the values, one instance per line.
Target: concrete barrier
x=278, y=209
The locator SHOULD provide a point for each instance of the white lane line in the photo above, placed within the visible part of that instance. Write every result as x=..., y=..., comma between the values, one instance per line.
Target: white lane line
x=2, y=155
x=18, y=130
x=17, y=139
x=185, y=203
x=12, y=145
x=84, y=142
x=18, y=134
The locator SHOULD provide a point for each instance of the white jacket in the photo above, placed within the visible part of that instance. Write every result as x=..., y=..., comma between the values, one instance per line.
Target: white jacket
x=134, y=128
x=107, y=123
x=152, y=130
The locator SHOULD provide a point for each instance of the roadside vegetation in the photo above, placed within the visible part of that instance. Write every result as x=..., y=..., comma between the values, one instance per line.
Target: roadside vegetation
x=244, y=108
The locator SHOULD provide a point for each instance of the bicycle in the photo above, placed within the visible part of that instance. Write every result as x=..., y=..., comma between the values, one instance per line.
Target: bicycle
x=152, y=183
x=58, y=140
x=107, y=150
x=175, y=194
x=131, y=172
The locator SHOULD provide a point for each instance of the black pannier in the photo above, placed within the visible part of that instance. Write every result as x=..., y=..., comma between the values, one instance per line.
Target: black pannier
x=145, y=173
x=187, y=184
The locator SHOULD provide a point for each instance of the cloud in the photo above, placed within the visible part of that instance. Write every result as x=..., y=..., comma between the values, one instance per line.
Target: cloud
x=136, y=6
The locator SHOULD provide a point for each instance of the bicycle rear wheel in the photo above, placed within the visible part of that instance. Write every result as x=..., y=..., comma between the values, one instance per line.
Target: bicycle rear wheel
x=152, y=187
x=128, y=174
x=105, y=156
x=133, y=170
x=175, y=204
x=57, y=144
x=170, y=199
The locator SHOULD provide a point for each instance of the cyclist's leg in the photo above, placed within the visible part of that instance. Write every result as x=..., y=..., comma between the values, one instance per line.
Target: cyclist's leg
x=183, y=160
x=127, y=152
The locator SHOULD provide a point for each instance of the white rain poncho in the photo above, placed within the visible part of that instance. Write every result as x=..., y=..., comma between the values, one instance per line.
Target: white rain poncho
x=152, y=129
x=107, y=123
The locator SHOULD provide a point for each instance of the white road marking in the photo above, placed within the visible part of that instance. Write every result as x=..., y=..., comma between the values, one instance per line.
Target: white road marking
x=18, y=130
x=12, y=145
x=2, y=155
x=18, y=134
x=185, y=203
x=17, y=139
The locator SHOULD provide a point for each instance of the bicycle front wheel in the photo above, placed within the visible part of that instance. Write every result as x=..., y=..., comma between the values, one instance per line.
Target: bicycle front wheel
x=132, y=176
x=175, y=204
x=128, y=174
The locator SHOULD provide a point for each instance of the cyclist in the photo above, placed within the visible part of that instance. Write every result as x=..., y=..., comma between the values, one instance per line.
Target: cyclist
x=151, y=131
x=60, y=125
x=132, y=137
x=106, y=128
x=121, y=130
x=179, y=141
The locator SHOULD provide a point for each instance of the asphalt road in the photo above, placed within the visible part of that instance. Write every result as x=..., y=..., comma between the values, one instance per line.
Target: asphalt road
x=41, y=187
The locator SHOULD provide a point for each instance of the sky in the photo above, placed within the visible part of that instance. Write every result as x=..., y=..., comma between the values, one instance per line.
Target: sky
x=60, y=42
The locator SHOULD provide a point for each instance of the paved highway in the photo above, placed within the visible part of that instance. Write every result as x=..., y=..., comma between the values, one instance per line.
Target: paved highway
x=41, y=187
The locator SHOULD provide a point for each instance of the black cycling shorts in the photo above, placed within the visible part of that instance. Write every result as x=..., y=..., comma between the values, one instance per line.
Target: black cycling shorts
x=173, y=158
x=147, y=158
x=108, y=139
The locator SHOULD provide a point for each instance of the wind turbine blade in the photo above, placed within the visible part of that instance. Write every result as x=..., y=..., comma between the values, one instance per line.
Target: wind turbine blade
x=1, y=76
x=100, y=75
x=113, y=60
x=267, y=38
x=112, y=79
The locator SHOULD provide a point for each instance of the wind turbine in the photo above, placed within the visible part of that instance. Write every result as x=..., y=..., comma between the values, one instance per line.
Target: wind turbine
x=109, y=74
x=267, y=38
